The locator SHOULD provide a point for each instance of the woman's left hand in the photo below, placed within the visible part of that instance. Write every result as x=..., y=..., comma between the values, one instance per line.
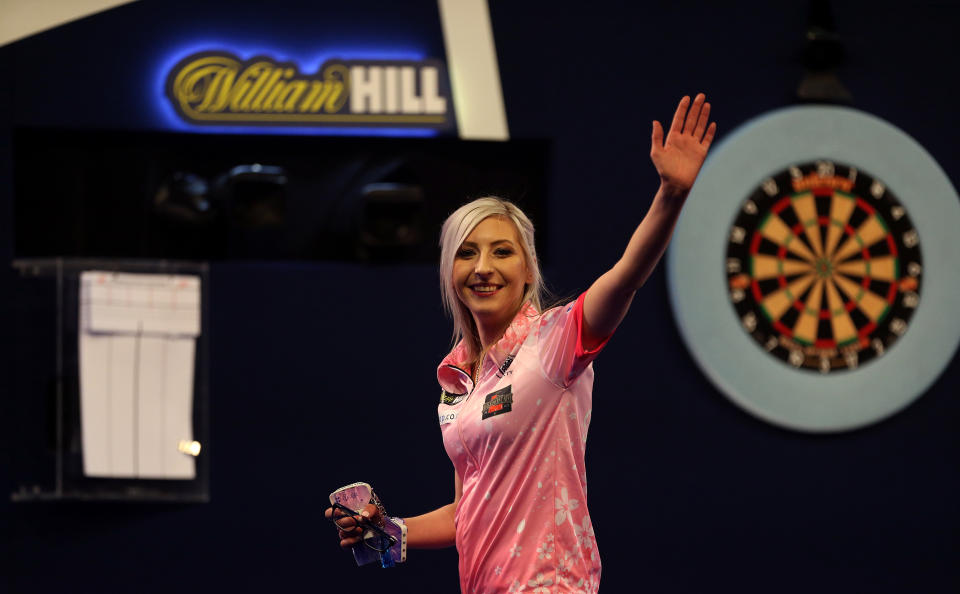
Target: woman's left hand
x=353, y=534
x=678, y=160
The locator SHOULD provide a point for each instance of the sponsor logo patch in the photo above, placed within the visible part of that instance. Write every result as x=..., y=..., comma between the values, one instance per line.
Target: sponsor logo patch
x=448, y=418
x=497, y=403
x=450, y=399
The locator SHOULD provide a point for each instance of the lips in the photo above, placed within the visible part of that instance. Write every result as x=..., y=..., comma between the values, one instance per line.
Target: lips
x=485, y=290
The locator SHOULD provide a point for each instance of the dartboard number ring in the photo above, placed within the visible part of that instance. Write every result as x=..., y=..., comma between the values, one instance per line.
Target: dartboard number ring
x=823, y=266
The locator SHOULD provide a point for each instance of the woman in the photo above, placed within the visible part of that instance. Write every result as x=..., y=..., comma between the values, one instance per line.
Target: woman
x=517, y=387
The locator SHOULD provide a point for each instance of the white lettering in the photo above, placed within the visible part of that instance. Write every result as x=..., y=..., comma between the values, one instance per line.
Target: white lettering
x=410, y=102
x=366, y=91
x=430, y=91
x=391, y=90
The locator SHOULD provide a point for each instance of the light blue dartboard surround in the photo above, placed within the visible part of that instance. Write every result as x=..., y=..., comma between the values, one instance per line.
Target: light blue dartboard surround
x=755, y=380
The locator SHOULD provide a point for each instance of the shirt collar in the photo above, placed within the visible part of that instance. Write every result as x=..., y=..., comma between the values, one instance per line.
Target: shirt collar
x=452, y=372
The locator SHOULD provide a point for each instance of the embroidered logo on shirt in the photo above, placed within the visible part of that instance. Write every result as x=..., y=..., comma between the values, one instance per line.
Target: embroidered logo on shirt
x=497, y=403
x=450, y=399
x=505, y=366
x=448, y=418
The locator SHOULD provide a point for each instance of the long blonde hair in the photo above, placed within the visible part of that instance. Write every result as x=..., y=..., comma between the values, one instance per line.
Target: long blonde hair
x=455, y=230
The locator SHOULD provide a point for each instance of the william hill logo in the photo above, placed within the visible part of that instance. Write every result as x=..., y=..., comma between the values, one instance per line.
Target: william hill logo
x=219, y=88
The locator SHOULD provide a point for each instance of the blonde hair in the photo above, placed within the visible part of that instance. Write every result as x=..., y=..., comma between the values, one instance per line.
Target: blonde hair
x=455, y=230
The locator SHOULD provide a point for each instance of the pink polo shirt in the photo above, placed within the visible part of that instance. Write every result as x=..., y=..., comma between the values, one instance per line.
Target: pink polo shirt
x=518, y=442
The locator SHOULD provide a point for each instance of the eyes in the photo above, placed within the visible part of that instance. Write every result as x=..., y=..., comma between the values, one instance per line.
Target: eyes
x=500, y=252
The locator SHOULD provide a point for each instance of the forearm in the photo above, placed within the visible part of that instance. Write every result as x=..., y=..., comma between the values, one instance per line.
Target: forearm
x=432, y=530
x=609, y=298
x=649, y=241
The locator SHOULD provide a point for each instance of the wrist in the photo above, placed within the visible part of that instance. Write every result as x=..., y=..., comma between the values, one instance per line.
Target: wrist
x=670, y=195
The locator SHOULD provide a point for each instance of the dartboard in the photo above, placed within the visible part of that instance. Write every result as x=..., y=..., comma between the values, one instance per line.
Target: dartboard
x=813, y=272
x=823, y=266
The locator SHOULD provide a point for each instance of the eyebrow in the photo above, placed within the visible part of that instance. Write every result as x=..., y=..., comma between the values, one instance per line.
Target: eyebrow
x=496, y=242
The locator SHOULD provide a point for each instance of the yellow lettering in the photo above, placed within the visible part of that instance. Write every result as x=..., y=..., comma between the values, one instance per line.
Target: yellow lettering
x=316, y=87
x=240, y=101
x=276, y=93
x=215, y=97
x=294, y=90
x=813, y=180
x=336, y=77
x=239, y=88
x=257, y=104
x=202, y=83
x=317, y=104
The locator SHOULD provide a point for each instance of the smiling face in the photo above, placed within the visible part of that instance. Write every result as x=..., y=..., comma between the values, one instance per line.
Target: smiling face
x=490, y=274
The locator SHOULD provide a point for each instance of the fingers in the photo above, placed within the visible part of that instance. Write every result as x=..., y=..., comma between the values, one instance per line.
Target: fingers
x=694, y=114
x=350, y=538
x=345, y=524
x=351, y=535
x=350, y=528
x=690, y=118
x=708, y=137
x=372, y=513
x=702, y=120
x=330, y=513
x=677, y=123
x=656, y=139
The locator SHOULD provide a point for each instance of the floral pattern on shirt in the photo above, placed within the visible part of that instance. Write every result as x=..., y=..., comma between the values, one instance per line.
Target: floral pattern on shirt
x=565, y=505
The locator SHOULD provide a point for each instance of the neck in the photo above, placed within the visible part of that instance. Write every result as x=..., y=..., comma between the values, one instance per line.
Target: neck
x=491, y=330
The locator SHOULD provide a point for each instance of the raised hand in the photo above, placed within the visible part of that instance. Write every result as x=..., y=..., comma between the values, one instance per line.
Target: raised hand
x=678, y=160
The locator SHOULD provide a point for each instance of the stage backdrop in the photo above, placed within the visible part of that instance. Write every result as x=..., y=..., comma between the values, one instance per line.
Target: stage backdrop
x=323, y=372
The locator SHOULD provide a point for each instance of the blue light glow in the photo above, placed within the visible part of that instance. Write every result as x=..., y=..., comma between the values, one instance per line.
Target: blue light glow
x=309, y=63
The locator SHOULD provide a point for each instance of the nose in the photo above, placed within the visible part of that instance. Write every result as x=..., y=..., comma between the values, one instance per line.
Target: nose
x=483, y=267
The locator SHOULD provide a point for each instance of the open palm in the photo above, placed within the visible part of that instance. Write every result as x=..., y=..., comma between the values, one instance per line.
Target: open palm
x=678, y=160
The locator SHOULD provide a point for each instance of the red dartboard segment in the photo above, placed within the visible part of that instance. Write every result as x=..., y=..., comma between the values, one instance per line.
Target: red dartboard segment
x=892, y=293
x=783, y=329
x=865, y=206
x=781, y=205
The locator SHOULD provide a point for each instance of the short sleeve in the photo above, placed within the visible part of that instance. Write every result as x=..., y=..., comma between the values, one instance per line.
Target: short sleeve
x=560, y=345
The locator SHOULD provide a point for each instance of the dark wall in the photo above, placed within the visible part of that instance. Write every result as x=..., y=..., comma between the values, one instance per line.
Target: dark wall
x=323, y=373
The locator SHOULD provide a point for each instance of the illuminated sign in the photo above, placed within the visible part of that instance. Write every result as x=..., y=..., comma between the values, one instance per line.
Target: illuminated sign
x=216, y=87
